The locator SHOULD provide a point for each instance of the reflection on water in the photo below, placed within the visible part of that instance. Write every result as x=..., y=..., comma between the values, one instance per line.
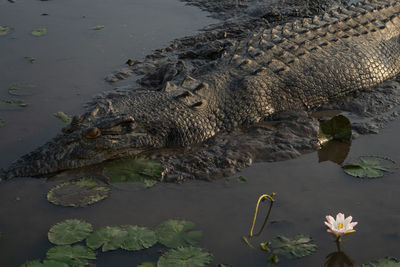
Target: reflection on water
x=338, y=258
x=335, y=151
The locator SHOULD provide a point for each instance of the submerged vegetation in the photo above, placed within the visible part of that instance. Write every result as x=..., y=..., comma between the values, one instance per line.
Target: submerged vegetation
x=78, y=193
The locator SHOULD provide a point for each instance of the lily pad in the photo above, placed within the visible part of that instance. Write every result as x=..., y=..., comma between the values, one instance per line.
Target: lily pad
x=76, y=256
x=139, y=170
x=45, y=263
x=22, y=89
x=128, y=237
x=176, y=233
x=63, y=117
x=110, y=237
x=338, y=128
x=384, y=262
x=369, y=167
x=2, y=123
x=185, y=257
x=78, y=193
x=138, y=238
x=12, y=103
x=242, y=179
x=296, y=247
x=98, y=27
x=4, y=30
x=39, y=32
x=30, y=59
x=69, y=231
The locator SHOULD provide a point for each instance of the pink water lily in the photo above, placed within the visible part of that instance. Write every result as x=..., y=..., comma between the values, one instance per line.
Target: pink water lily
x=340, y=226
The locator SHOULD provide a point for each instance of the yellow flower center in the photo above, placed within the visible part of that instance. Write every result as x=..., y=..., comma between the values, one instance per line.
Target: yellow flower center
x=340, y=225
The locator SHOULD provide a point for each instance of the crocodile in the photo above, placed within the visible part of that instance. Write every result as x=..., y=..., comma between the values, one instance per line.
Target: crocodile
x=297, y=65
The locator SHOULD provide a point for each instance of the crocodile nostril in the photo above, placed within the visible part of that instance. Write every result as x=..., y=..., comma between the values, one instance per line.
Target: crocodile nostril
x=93, y=133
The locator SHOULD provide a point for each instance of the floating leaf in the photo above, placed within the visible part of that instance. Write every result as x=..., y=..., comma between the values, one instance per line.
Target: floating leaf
x=384, y=262
x=242, y=179
x=39, y=32
x=185, y=257
x=2, y=123
x=110, y=237
x=144, y=171
x=30, y=59
x=176, y=233
x=22, y=89
x=369, y=167
x=128, y=237
x=76, y=256
x=69, y=231
x=63, y=117
x=338, y=128
x=45, y=263
x=297, y=247
x=147, y=264
x=138, y=238
x=78, y=193
x=98, y=27
x=9, y=103
x=4, y=30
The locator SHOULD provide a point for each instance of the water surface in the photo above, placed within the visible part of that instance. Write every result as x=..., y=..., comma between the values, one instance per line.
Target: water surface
x=71, y=63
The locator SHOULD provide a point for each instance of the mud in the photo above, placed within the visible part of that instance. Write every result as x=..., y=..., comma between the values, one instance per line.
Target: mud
x=281, y=137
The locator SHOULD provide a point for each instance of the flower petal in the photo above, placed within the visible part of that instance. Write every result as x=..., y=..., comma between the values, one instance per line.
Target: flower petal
x=330, y=219
x=348, y=220
x=339, y=217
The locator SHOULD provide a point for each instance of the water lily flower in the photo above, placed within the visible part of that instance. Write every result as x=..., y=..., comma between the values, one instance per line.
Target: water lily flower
x=340, y=226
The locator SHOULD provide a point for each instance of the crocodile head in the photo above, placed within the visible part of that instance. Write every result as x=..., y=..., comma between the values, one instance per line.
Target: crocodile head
x=116, y=127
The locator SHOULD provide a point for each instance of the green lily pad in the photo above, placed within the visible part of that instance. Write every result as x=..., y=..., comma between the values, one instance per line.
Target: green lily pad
x=138, y=238
x=242, y=179
x=98, y=27
x=296, y=247
x=139, y=170
x=30, y=59
x=22, y=89
x=147, y=264
x=369, y=167
x=39, y=32
x=176, y=233
x=69, y=231
x=4, y=30
x=128, y=237
x=78, y=193
x=384, y=262
x=45, y=263
x=2, y=123
x=185, y=257
x=76, y=256
x=12, y=103
x=338, y=128
x=63, y=117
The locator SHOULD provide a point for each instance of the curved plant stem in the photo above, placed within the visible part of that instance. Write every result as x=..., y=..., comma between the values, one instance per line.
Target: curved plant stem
x=262, y=197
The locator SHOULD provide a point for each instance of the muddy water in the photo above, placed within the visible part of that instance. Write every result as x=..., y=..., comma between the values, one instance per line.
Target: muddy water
x=306, y=192
x=71, y=62
x=72, y=59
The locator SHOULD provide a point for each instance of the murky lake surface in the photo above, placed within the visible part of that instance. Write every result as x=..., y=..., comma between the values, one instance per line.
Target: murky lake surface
x=71, y=63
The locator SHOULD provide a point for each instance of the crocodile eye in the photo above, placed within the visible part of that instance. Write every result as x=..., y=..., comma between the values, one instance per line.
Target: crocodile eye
x=93, y=133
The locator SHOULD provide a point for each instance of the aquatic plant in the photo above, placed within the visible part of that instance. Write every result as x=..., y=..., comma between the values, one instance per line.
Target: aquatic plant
x=341, y=226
